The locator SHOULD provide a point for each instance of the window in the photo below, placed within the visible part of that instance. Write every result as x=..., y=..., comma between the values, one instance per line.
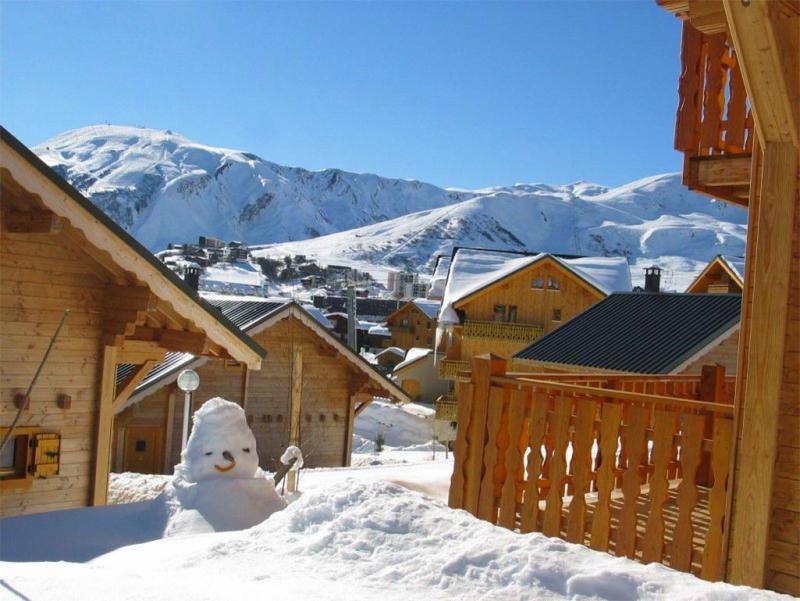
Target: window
x=538, y=283
x=512, y=313
x=556, y=314
x=499, y=313
x=552, y=284
x=405, y=322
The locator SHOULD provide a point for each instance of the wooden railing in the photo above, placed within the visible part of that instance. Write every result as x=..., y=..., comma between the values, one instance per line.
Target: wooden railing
x=447, y=407
x=499, y=330
x=639, y=475
x=450, y=368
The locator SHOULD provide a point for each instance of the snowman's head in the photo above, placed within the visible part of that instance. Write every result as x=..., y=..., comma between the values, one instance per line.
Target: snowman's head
x=221, y=444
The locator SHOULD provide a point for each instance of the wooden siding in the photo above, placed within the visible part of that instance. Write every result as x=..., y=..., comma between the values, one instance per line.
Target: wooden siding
x=726, y=353
x=328, y=379
x=420, y=331
x=40, y=276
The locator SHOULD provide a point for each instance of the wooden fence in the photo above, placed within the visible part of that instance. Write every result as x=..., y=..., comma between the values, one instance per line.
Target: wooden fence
x=639, y=475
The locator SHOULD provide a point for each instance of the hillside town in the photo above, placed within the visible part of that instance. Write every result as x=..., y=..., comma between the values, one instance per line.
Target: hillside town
x=221, y=377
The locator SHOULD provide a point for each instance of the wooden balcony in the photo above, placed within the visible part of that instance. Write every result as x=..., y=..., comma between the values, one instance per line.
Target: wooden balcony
x=450, y=368
x=496, y=330
x=447, y=407
x=714, y=124
x=637, y=474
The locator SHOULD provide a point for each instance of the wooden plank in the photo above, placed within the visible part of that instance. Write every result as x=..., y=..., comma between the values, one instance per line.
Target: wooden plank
x=634, y=437
x=688, y=118
x=719, y=170
x=713, y=94
x=664, y=430
x=551, y=524
x=611, y=416
x=169, y=430
x=464, y=392
x=713, y=556
x=296, y=400
x=691, y=445
x=133, y=381
x=105, y=423
x=487, y=501
x=582, y=467
x=508, y=500
x=31, y=222
x=764, y=368
x=537, y=424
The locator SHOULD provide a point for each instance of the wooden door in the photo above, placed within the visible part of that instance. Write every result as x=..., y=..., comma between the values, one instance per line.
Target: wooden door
x=143, y=449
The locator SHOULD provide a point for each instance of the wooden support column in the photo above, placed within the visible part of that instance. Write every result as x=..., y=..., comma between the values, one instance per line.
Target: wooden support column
x=169, y=429
x=105, y=423
x=297, y=394
x=757, y=450
x=245, y=387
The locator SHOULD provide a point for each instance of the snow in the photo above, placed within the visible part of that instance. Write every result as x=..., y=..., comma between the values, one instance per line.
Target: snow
x=393, y=350
x=317, y=314
x=414, y=354
x=364, y=539
x=472, y=269
x=439, y=277
x=242, y=278
x=736, y=264
x=380, y=330
x=428, y=307
x=292, y=452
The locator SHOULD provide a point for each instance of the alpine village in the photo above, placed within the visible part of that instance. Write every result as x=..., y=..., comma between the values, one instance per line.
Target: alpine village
x=584, y=397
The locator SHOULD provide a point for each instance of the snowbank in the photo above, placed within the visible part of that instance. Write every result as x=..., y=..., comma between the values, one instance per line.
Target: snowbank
x=365, y=540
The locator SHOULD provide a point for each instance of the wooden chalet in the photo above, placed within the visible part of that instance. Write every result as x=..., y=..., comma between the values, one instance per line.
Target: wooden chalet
x=418, y=376
x=414, y=324
x=307, y=394
x=723, y=275
x=689, y=471
x=642, y=333
x=499, y=302
x=58, y=253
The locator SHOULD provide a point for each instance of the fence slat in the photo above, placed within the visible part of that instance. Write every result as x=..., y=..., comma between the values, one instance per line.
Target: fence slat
x=536, y=429
x=456, y=495
x=691, y=445
x=712, y=551
x=688, y=118
x=551, y=525
x=631, y=481
x=664, y=430
x=713, y=95
x=476, y=435
x=611, y=416
x=508, y=500
x=487, y=500
x=582, y=467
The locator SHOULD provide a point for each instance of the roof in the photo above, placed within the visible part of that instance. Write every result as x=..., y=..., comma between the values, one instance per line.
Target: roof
x=392, y=350
x=439, y=277
x=639, y=332
x=131, y=256
x=430, y=308
x=254, y=315
x=473, y=270
x=317, y=314
x=734, y=266
x=412, y=356
x=374, y=307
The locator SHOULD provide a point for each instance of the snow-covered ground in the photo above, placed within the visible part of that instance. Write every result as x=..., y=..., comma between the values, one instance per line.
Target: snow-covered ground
x=379, y=531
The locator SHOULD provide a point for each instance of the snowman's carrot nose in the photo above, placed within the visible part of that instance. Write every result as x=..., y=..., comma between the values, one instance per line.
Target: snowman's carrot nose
x=227, y=455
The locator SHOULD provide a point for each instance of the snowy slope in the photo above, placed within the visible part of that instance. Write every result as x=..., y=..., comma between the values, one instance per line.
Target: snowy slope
x=165, y=188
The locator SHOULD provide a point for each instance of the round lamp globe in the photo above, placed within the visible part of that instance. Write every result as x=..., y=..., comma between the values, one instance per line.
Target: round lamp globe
x=188, y=380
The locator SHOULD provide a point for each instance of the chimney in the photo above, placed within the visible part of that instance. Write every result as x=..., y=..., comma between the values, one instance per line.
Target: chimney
x=652, y=279
x=191, y=276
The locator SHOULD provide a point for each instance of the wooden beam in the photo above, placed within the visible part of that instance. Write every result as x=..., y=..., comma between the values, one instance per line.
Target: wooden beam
x=32, y=222
x=767, y=43
x=169, y=428
x=131, y=384
x=105, y=423
x=720, y=170
x=708, y=16
x=139, y=351
x=297, y=394
x=245, y=386
x=756, y=453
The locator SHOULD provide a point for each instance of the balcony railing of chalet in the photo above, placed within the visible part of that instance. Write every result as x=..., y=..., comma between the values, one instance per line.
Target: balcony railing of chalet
x=447, y=407
x=449, y=368
x=640, y=475
x=518, y=332
x=714, y=125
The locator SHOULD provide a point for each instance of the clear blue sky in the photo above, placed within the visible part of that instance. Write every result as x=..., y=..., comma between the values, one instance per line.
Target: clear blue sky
x=463, y=94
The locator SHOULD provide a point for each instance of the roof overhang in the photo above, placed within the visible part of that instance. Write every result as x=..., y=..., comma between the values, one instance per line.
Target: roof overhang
x=112, y=246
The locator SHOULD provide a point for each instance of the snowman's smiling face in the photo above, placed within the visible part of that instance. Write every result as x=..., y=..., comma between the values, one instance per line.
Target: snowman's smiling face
x=221, y=444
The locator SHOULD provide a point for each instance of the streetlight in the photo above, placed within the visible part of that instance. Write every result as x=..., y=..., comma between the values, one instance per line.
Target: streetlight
x=188, y=381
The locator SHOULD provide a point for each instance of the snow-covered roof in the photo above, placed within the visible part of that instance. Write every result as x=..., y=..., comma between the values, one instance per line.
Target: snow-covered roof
x=474, y=269
x=736, y=265
x=428, y=307
x=317, y=314
x=412, y=356
x=380, y=330
x=393, y=350
x=439, y=277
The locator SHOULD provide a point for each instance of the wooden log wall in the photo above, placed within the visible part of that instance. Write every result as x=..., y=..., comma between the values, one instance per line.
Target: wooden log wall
x=40, y=276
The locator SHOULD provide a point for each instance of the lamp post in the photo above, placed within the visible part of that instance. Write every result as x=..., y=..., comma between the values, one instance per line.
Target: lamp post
x=188, y=381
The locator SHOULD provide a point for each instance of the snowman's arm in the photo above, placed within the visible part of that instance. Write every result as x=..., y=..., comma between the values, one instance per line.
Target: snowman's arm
x=283, y=470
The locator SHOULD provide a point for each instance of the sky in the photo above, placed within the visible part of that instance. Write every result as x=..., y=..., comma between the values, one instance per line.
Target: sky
x=458, y=94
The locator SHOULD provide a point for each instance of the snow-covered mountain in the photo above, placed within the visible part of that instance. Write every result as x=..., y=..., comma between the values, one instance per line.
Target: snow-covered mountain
x=164, y=188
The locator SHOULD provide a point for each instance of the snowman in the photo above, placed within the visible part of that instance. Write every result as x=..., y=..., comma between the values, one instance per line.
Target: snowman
x=218, y=484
